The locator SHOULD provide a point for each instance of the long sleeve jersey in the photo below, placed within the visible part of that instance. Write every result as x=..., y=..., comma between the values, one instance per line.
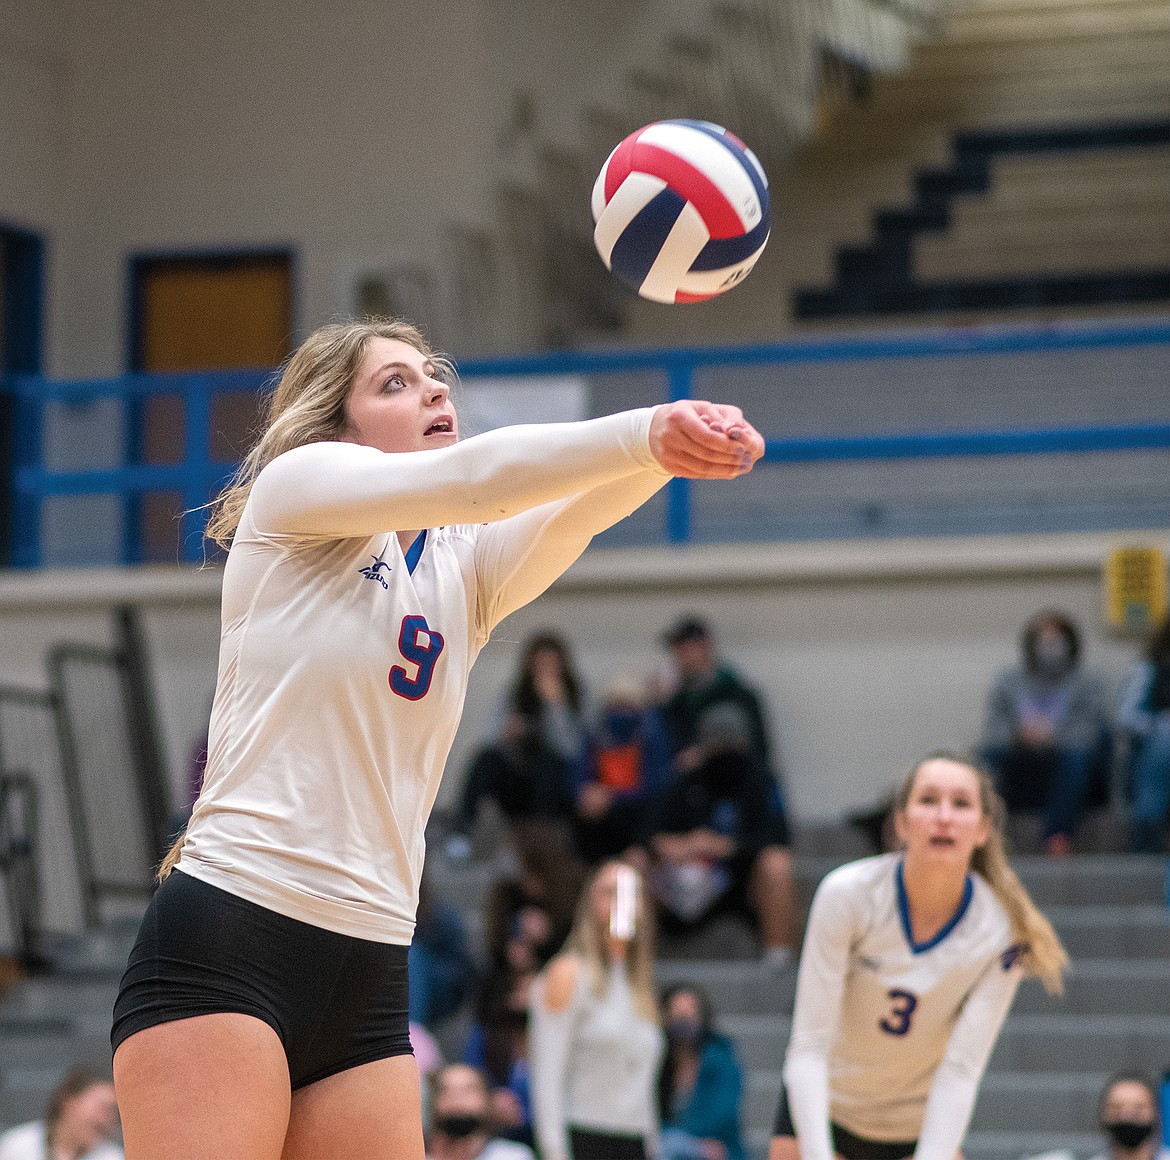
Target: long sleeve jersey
x=344, y=661
x=890, y=1037
x=594, y=1064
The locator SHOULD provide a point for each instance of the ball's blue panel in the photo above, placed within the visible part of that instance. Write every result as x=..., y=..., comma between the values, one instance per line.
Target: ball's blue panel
x=720, y=253
x=636, y=250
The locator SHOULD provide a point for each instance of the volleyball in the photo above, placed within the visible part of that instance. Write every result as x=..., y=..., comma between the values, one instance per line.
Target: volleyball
x=681, y=211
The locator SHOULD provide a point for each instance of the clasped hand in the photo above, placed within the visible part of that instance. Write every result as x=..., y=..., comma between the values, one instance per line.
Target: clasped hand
x=702, y=440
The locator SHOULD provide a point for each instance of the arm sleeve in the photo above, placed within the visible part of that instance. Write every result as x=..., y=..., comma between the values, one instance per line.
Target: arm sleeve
x=820, y=988
x=956, y=1082
x=548, y=1051
x=337, y=490
x=518, y=558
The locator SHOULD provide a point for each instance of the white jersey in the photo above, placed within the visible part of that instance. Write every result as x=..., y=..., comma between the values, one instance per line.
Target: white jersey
x=344, y=662
x=890, y=1037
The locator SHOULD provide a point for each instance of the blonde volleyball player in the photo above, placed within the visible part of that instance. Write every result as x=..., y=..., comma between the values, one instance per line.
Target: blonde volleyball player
x=909, y=966
x=263, y=1012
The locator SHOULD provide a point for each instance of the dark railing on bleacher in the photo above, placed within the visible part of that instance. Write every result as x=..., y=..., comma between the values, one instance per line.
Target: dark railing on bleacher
x=196, y=477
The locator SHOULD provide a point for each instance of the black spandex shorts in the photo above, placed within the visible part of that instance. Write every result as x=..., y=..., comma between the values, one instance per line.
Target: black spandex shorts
x=335, y=1001
x=845, y=1143
x=588, y=1145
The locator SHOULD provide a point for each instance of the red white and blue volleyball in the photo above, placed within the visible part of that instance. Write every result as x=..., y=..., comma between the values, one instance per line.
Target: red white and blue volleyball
x=681, y=211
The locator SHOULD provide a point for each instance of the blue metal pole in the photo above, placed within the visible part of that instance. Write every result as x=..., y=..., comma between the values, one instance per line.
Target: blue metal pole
x=197, y=390
x=678, y=491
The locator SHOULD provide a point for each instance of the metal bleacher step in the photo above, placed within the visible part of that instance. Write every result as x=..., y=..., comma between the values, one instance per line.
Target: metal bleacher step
x=1008, y=1101
x=1026, y=1043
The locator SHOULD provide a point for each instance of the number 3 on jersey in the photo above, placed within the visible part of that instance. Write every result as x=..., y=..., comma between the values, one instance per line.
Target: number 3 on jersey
x=421, y=646
x=902, y=1004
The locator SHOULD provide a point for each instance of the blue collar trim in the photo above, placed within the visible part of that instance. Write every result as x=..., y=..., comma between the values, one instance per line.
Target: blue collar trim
x=415, y=551
x=952, y=922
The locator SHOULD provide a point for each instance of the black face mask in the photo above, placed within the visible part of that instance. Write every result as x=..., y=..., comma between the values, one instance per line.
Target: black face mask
x=1128, y=1133
x=461, y=1125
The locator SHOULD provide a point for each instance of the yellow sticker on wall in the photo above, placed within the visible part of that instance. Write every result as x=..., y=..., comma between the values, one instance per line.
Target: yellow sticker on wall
x=1135, y=588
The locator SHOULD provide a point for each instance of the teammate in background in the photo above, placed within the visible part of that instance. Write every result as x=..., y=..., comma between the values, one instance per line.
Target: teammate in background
x=910, y=963
x=595, y=1042
x=263, y=1013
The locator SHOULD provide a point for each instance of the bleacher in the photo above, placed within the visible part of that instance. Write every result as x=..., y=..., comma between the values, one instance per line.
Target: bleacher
x=1039, y=1094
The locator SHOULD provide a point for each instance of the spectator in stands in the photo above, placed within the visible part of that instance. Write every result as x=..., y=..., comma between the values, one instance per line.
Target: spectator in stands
x=627, y=764
x=1143, y=719
x=700, y=1084
x=529, y=769
x=461, y=1120
x=441, y=970
x=1128, y=1114
x=596, y=1044
x=528, y=917
x=529, y=913
x=81, y=1123
x=720, y=845
x=1046, y=731
x=702, y=682
x=498, y=1046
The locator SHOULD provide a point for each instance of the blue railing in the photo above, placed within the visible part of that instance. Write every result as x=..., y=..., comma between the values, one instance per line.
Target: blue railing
x=197, y=476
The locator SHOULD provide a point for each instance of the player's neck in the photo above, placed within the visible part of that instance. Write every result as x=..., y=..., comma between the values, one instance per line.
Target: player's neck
x=405, y=539
x=934, y=893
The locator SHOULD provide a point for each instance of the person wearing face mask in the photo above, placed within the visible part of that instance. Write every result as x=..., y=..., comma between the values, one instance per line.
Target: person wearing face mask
x=627, y=764
x=461, y=1122
x=1046, y=730
x=910, y=964
x=1128, y=1114
x=700, y=1084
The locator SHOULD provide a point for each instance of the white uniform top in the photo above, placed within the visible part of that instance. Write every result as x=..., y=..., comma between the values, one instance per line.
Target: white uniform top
x=594, y=1064
x=890, y=1038
x=30, y=1142
x=343, y=663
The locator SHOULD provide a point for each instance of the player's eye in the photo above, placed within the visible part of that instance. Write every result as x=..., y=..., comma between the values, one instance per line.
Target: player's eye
x=394, y=383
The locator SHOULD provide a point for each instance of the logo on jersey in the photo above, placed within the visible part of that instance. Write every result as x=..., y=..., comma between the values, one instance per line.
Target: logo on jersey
x=374, y=571
x=1013, y=955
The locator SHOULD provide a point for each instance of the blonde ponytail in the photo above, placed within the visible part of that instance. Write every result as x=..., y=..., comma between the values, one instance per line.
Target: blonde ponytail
x=170, y=859
x=1044, y=956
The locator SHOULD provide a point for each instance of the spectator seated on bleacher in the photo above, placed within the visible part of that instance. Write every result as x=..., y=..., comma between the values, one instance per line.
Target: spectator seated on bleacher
x=81, y=1122
x=719, y=844
x=528, y=770
x=1143, y=722
x=1046, y=737
x=498, y=1047
x=462, y=1127
x=703, y=681
x=1129, y=1118
x=627, y=764
x=701, y=1082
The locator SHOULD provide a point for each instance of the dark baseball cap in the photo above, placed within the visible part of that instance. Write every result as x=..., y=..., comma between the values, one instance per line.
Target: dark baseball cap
x=684, y=629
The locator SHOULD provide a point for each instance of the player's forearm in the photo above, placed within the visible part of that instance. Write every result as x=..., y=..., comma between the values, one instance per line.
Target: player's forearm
x=806, y=1079
x=332, y=489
